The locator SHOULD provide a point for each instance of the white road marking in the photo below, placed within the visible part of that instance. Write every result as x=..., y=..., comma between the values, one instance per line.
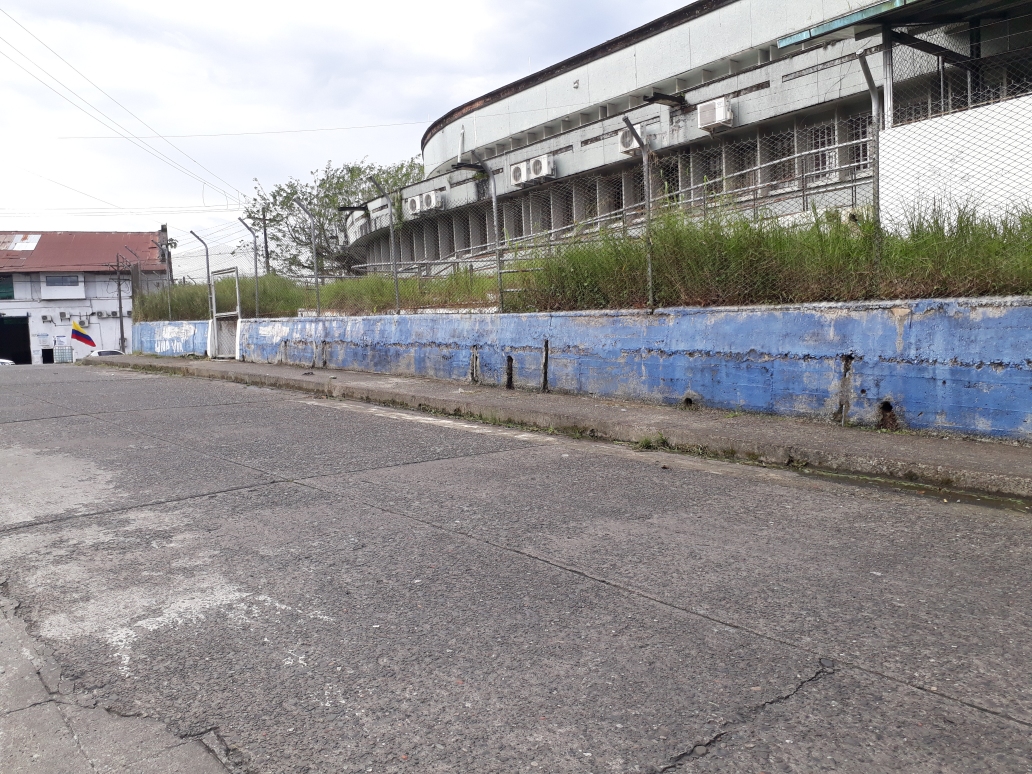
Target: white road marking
x=425, y=419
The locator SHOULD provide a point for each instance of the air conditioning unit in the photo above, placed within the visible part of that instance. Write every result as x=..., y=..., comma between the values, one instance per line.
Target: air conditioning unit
x=540, y=168
x=84, y=323
x=518, y=174
x=64, y=315
x=100, y=315
x=432, y=200
x=628, y=145
x=413, y=206
x=46, y=318
x=716, y=114
x=128, y=312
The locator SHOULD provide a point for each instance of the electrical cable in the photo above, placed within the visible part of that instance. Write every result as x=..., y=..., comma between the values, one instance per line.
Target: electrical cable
x=127, y=110
x=126, y=135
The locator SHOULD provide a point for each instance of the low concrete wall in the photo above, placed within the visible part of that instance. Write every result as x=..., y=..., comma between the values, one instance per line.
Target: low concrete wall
x=171, y=339
x=958, y=365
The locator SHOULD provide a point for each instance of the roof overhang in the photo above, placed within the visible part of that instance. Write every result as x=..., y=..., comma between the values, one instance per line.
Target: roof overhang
x=902, y=13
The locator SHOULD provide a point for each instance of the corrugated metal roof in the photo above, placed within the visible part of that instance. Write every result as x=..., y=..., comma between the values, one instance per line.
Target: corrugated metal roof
x=75, y=250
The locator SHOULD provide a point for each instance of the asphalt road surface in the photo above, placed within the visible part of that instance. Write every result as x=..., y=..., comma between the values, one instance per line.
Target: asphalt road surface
x=339, y=587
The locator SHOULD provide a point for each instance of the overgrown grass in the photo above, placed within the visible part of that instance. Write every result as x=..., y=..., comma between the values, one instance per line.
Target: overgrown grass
x=723, y=260
x=736, y=261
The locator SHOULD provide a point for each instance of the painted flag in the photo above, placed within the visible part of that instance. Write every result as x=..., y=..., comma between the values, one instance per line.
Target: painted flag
x=78, y=334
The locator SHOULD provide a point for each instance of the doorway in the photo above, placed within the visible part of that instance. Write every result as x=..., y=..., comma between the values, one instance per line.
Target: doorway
x=48, y=357
x=14, y=340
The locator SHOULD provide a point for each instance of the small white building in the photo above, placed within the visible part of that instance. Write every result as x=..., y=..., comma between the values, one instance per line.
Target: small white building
x=50, y=279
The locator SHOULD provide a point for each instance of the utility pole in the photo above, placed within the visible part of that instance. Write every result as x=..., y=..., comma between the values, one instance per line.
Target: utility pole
x=167, y=259
x=315, y=258
x=394, y=258
x=254, y=237
x=265, y=234
x=121, y=318
x=132, y=284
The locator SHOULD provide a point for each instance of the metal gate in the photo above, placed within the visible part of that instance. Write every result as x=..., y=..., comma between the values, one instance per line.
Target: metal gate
x=226, y=324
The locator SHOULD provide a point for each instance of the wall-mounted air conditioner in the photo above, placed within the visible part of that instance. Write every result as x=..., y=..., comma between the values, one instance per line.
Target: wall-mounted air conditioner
x=46, y=318
x=540, y=168
x=100, y=314
x=413, y=206
x=518, y=174
x=64, y=316
x=432, y=200
x=628, y=145
x=716, y=114
x=84, y=323
x=128, y=312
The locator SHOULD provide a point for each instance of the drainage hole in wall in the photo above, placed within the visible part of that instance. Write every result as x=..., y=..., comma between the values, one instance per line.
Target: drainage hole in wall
x=887, y=419
x=863, y=392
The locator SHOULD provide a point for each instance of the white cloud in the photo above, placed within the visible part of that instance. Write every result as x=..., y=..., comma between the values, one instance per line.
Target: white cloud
x=193, y=67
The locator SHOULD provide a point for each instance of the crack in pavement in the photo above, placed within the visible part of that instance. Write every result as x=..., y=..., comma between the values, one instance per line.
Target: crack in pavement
x=630, y=590
x=701, y=749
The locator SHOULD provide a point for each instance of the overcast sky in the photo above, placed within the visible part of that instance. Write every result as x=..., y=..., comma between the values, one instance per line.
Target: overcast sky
x=227, y=67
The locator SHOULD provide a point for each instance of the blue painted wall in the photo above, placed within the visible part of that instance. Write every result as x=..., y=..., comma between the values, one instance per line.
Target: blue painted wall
x=961, y=365
x=173, y=339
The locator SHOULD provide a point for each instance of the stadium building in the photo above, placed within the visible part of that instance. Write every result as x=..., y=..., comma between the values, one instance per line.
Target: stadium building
x=761, y=106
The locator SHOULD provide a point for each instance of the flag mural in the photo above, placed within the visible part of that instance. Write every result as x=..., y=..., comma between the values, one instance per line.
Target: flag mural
x=78, y=334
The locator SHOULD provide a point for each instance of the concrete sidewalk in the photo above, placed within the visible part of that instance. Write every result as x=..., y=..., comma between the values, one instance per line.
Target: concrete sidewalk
x=997, y=468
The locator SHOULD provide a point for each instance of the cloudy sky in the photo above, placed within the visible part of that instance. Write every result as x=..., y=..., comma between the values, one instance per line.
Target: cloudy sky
x=243, y=91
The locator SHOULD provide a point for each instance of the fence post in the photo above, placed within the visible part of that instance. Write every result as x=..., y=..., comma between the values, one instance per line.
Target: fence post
x=875, y=153
x=211, y=287
x=254, y=236
x=648, y=210
x=394, y=259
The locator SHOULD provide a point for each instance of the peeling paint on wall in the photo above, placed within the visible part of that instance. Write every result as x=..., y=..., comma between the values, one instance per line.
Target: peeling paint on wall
x=962, y=365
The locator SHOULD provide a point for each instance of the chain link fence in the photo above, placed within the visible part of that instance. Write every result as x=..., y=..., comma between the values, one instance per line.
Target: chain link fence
x=923, y=192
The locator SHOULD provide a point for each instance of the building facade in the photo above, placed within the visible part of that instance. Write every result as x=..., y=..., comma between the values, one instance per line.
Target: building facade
x=754, y=105
x=48, y=280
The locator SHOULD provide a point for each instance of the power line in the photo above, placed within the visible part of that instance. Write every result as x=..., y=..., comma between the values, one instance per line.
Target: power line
x=127, y=110
x=62, y=185
x=124, y=133
x=252, y=134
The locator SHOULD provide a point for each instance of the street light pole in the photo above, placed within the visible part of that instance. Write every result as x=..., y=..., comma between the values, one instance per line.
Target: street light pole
x=497, y=229
x=648, y=210
x=394, y=259
x=254, y=237
x=315, y=258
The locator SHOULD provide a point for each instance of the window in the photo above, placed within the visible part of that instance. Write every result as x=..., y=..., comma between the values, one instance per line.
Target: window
x=822, y=138
x=6, y=287
x=63, y=281
x=859, y=129
x=781, y=146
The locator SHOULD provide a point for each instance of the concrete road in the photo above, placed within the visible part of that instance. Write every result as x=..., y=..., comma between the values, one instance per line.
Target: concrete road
x=324, y=586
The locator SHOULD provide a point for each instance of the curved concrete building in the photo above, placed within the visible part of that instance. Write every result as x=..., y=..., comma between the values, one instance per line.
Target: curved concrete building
x=748, y=103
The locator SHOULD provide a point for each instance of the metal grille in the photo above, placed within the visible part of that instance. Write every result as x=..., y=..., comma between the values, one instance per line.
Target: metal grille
x=225, y=338
x=958, y=134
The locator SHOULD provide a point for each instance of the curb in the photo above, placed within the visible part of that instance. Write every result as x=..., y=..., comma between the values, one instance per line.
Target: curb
x=674, y=436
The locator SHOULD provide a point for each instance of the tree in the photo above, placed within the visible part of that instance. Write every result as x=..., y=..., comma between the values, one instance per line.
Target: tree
x=290, y=235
